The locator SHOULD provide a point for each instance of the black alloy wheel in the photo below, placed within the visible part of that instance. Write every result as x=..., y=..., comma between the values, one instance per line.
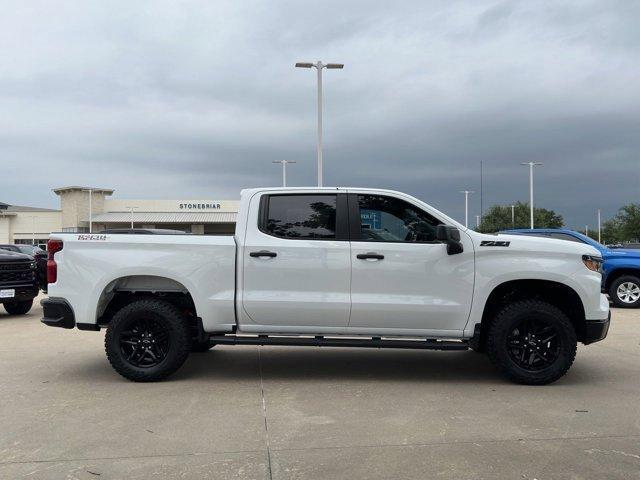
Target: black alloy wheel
x=531, y=342
x=144, y=342
x=534, y=344
x=147, y=340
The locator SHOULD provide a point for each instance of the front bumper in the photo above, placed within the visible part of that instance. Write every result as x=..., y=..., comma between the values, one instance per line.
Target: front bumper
x=23, y=293
x=57, y=313
x=596, y=330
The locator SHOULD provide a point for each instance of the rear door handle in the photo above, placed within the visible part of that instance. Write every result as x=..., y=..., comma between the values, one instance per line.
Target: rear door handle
x=263, y=253
x=365, y=256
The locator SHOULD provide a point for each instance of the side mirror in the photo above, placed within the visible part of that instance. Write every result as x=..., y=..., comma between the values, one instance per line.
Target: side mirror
x=451, y=237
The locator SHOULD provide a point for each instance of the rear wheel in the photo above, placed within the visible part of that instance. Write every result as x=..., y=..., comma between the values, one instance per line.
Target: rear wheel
x=147, y=340
x=532, y=342
x=18, y=308
x=625, y=291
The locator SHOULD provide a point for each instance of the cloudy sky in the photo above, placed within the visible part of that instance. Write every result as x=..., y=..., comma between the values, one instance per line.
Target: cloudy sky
x=185, y=99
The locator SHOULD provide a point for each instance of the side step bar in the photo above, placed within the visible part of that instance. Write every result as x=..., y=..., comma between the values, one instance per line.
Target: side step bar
x=320, y=341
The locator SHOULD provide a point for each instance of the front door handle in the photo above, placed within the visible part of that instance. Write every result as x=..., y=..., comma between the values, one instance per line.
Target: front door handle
x=263, y=253
x=365, y=256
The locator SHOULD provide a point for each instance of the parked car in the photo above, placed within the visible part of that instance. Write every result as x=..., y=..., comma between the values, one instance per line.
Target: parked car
x=621, y=267
x=330, y=267
x=18, y=282
x=38, y=254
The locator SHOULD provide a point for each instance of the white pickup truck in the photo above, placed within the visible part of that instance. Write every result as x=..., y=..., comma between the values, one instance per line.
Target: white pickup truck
x=337, y=267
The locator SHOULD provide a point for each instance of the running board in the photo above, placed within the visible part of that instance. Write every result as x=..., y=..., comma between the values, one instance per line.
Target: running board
x=320, y=341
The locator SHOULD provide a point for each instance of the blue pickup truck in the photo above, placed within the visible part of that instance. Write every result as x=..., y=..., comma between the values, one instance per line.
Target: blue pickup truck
x=621, y=268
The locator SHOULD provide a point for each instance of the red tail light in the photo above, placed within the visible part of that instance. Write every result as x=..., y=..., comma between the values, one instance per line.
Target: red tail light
x=53, y=246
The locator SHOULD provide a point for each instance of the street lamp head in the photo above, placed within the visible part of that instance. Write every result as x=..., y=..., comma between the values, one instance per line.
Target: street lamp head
x=335, y=65
x=304, y=65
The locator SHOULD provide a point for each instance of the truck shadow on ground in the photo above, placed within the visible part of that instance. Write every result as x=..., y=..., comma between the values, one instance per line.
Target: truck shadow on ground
x=308, y=364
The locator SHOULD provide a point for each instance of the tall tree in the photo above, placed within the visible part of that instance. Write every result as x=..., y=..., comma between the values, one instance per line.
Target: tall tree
x=628, y=219
x=498, y=217
x=611, y=231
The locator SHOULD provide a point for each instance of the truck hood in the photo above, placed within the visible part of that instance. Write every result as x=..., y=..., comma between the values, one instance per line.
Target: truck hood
x=7, y=256
x=536, y=244
x=622, y=253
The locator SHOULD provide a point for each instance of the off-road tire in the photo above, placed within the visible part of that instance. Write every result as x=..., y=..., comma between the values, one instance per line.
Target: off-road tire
x=18, y=308
x=613, y=291
x=178, y=333
x=508, y=319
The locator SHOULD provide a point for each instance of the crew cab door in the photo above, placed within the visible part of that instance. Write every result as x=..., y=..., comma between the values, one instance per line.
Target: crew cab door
x=297, y=262
x=402, y=277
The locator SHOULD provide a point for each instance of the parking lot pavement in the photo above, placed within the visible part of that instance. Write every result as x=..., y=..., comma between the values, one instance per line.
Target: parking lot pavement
x=316, y=413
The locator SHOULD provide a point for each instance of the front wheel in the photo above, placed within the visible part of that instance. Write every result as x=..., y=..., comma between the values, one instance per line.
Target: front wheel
x=147, y=340
x=532, y=342
x=18, y=308
x=625, y=291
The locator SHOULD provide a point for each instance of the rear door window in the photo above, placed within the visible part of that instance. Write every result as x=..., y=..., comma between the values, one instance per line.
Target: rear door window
x=301, y=216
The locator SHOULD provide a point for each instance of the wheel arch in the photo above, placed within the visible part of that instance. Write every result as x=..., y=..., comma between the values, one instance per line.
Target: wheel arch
x=558, y=294
x=125, y=289
x=618, y=272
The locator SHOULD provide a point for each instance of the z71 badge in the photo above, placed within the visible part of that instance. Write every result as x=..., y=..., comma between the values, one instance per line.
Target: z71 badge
x=494, y=243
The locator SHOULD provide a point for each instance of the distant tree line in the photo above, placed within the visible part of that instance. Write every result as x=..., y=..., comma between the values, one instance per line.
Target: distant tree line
x=623, y=227
x=504, y=217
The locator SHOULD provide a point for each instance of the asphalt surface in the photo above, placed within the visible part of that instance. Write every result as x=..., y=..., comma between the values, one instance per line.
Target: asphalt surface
x=313, y=413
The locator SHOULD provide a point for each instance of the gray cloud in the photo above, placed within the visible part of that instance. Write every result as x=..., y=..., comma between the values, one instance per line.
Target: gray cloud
x=177, y=99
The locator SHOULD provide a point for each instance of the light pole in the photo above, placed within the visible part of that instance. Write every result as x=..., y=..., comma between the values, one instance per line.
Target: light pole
x=481, y=188
x=599, y=228
x=513, y=216
x=319, y=66
x=466, y=206
x=586, y=230
x=531, y=165
x=131, y=209
x=477, y=221
x=284, y=169
x=90, y=190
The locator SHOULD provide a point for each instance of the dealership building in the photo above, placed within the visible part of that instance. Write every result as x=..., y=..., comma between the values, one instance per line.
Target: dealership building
x=81, y=205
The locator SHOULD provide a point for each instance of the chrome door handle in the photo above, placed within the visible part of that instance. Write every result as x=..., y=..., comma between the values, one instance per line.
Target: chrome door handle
x=373, y=255
x=263, y=253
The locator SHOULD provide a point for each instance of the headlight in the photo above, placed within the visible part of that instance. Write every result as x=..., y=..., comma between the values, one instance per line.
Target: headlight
x=592, y=263
x=33, y=265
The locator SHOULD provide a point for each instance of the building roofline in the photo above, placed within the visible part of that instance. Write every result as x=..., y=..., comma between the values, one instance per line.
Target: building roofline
x=24, y=208
x=71, y=188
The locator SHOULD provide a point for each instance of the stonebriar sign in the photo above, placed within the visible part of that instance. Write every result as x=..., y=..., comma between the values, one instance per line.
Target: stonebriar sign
x=199, y=206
